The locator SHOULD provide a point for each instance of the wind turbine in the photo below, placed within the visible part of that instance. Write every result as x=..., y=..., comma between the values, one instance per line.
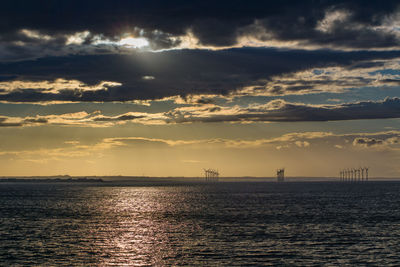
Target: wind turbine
x=362, y=174
x=206, y=173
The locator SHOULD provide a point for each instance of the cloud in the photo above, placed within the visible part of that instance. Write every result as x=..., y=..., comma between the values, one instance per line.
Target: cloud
x=302, y=143
x=165, y=25
x=274, y=111
x=146, y=77
x=331, y=79
x=5, y=122
x=367, y=142
x=282, y=111
x=77, y=118
x=187, y=73
x=385, y=141
x=72, y=149
x=331, y=19
x=299, y=139
x=124, y=117
x=56, y=86
x=125, y=141
x=192, y=161
x=18, y=122
x=83, y=119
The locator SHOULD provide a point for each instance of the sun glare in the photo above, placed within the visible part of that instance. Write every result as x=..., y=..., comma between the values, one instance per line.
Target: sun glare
x=132, y=42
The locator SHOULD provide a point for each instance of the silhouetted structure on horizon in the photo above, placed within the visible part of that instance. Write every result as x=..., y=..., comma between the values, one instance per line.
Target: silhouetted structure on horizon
x=280, y=175
x=211, y=175
x=354, y=175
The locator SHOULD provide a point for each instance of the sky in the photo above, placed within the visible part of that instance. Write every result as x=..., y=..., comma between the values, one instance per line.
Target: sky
x=167, y=88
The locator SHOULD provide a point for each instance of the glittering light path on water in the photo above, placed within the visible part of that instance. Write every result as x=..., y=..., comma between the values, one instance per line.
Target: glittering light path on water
x=198, y=224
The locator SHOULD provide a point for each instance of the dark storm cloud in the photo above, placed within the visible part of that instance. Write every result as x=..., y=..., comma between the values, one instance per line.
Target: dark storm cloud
x=351, y=24
x=147, y=76
x=280, y=111
x=216, y=23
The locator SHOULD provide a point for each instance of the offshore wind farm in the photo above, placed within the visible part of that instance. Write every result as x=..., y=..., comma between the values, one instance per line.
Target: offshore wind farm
x=199, y=133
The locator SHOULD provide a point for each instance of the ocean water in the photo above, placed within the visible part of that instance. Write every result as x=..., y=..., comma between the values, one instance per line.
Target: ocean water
x=227, y=223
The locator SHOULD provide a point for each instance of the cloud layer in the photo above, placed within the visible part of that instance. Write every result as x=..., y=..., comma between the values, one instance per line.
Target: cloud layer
x=281, y=111
x=149, y=76
x=273, y=111
x=98, y=26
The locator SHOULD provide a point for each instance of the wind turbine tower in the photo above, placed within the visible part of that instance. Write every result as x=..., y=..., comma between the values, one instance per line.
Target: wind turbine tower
x=280, y=175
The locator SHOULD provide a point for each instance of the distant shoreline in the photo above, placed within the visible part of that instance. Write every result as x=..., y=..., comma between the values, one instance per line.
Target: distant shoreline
x=122, y=179
x=49, y=179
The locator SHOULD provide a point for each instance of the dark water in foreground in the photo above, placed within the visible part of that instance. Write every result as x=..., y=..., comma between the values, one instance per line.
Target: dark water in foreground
x=260, y=223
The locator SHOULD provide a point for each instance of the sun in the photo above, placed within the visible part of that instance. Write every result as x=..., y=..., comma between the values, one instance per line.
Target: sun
x=131, y=42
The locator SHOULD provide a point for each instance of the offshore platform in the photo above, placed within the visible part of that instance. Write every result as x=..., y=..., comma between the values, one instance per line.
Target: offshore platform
x=280, y=175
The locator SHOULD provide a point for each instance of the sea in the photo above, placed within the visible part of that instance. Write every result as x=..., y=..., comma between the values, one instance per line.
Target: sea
x=182, y=223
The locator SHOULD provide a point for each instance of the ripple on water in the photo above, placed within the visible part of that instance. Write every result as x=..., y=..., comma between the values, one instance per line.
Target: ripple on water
x=221, y=224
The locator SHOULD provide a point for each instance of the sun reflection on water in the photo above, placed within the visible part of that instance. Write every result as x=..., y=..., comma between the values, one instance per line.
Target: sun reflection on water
x=138, y=227
x=224, y=224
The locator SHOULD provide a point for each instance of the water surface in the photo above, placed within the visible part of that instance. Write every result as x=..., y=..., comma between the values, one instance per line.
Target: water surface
x=227, y=223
